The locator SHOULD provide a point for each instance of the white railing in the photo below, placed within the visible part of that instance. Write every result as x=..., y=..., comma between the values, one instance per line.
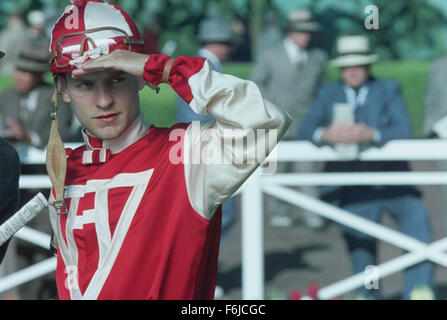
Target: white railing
x=277, y=185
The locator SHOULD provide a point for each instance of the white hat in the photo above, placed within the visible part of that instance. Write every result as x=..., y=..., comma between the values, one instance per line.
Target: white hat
x=353, y=51
x=36, y=17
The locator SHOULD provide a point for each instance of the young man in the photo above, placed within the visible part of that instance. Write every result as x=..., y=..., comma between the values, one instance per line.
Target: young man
x=142, y=220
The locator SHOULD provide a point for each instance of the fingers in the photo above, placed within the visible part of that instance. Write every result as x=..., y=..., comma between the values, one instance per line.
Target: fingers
x=98, y=64
x=119, y=60
x=343, y=133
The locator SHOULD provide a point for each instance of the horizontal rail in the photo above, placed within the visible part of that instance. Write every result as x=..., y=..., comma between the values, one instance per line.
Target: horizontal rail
x=358, y=178
x=410, y=150
x=25, y=275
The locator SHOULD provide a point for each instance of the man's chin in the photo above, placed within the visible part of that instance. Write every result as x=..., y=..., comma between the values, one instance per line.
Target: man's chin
x=108, y=134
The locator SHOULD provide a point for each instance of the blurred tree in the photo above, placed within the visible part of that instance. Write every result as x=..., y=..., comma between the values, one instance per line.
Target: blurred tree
x=408, y=28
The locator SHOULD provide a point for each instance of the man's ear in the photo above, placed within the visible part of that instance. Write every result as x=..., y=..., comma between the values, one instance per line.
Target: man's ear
x=62, y=88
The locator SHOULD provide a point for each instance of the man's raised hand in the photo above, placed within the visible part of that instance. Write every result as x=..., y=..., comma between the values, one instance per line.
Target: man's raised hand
x=119, y=60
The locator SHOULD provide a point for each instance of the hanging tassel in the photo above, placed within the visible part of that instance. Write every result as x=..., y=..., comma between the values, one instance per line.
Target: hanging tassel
x=56, y=159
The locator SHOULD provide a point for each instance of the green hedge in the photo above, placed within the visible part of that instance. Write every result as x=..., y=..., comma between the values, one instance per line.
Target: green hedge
x=159, y=109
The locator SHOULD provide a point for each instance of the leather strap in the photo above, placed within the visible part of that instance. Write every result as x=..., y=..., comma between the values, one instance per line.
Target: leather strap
x=167, y=70
x=127, y=41
x=56, y=161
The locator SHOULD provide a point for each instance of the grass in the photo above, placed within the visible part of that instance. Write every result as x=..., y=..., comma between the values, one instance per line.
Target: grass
x=160, y=109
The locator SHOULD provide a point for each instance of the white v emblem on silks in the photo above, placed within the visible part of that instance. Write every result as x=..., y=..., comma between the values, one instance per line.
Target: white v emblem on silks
x=108, y=247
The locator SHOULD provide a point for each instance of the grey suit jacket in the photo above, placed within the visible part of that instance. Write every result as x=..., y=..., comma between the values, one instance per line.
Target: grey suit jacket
x=436, y=95
x=290, y=87
x=39, y=120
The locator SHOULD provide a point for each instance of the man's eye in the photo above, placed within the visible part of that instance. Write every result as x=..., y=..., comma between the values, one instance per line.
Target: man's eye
x=117, y=80
x=85, y=85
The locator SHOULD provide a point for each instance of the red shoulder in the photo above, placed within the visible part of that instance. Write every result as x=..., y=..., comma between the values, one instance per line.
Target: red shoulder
x=166, y=132
x=74, y=153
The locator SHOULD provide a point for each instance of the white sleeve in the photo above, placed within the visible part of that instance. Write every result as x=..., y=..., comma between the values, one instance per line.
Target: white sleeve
x=220, y=155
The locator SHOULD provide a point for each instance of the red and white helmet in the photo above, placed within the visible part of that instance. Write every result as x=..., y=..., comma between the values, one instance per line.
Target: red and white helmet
x=88, y=29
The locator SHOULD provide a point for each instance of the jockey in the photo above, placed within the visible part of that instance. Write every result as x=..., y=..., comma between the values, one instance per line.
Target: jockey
x=137, y=209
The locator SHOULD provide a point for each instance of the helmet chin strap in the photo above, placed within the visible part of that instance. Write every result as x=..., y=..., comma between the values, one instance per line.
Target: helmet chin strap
x=56, y=161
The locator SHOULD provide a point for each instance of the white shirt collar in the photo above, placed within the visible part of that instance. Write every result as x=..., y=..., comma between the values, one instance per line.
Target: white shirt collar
x=295, y=53
x=138, y=129
x=354, y=98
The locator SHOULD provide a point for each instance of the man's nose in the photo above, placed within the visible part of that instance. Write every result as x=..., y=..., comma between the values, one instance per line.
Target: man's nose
x=105, y=98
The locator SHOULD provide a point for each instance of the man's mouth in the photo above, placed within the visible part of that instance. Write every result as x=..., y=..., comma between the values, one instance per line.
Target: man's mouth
x=107, y=118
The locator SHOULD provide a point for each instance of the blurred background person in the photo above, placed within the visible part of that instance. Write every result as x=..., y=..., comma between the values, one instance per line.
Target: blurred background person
x=289, y=75
x=12, y=38
x=270, y=36
x=242, y=45
x=380, y=116
x=36, y=22
x=25, y=107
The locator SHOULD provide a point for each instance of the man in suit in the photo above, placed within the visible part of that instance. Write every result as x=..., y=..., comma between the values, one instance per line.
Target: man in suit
x=25, y=108
x=380, y=116
x=289, y=75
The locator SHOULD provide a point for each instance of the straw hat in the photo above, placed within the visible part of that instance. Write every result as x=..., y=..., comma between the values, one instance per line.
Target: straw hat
x=302, y=20
x=353, y=51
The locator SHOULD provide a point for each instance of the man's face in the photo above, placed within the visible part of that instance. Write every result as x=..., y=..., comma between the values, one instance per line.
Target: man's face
x=221, y=50
x=25, y=81
x=301, y=39
x=356, y=76
x=105, y=102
